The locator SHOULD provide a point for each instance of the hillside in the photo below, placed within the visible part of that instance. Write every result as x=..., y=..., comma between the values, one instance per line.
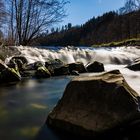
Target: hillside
x=110, y=27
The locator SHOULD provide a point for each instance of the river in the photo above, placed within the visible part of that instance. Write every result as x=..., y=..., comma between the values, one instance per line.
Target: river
x=24, y=106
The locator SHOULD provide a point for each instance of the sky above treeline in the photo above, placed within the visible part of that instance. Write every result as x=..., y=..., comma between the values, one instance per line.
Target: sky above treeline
x=80, y=11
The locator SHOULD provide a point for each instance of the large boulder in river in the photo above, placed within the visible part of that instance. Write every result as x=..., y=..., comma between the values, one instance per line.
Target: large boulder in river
x=77, y=67
x=95, y=105
x=95, y=67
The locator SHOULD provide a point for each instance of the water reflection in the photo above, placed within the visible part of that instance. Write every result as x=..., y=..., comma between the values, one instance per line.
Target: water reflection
x=24, y=106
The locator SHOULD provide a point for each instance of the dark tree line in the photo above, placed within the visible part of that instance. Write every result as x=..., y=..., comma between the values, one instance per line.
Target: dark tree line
x=111, y=26
x=104, y=29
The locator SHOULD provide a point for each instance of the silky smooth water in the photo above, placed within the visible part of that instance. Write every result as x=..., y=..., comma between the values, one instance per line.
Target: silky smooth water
x=24, y=106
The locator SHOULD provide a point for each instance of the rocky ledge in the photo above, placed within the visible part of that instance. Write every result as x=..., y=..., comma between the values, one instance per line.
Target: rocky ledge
x=95, y=105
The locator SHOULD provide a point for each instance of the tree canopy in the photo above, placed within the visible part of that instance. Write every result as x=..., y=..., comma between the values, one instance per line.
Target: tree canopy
x=130, y=6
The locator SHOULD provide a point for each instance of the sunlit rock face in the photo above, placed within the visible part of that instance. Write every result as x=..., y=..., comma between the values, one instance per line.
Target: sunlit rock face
x=96, y=104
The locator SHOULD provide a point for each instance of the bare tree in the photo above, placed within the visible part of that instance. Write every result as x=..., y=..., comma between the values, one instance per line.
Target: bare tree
x=28, y=18
x=2, y=13
x=2, y=19
x=130, y=6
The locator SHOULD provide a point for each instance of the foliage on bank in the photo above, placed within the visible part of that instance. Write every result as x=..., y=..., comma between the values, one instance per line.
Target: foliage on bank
x=127, y=42
x=110, y=27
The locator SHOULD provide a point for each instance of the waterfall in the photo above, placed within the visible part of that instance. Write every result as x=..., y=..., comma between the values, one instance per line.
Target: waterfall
x=112, y=58
x=117, y=55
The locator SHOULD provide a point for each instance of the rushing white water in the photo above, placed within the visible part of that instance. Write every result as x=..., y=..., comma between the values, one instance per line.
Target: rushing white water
x=69, y=54
x=114, y=58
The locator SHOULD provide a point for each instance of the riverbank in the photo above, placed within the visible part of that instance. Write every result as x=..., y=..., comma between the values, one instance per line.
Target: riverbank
x=127, y=42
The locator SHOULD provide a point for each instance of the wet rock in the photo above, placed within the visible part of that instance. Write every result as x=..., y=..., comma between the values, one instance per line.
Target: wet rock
x=64, y=70
x=56, y=67
x=12, y=64
x=28, y=73
x=2, y=65
x=38, y=64
x=134, y=66
x=55, y=63
x=9, y=75
x=77, y=67
x=95, y=67
x=42, y=72
x=17, y=62
x=28, y=70
x=95, y=105
x=29, y=67
x=19, y=58
x=74, y=72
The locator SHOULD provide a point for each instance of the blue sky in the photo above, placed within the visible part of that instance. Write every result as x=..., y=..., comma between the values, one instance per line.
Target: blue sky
x=80, y=11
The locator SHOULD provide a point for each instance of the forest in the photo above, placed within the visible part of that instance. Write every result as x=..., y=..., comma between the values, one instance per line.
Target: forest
x=114, y=26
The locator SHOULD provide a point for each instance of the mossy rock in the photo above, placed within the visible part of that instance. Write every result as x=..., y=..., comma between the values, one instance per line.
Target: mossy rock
x=42, y=72
x=9, y=75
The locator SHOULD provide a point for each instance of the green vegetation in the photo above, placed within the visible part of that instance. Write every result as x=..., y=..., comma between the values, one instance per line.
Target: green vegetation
x=127, y=42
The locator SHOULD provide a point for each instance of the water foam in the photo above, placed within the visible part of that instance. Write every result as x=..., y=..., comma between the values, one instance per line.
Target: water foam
x=70, y=54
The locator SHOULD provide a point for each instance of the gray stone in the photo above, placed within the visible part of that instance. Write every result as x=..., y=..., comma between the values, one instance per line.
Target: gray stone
x=64, y=70
x=96, y=104
x=9, y=75
x=77, y=67
x=95, y=67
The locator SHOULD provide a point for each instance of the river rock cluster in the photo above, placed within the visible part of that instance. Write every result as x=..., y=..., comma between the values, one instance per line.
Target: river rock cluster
x=19, y=67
